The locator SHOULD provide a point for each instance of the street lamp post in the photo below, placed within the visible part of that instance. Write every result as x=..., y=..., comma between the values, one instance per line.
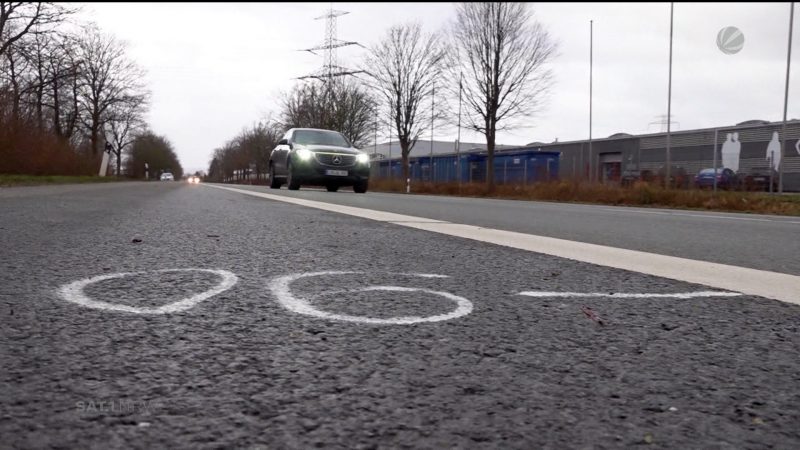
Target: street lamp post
x=785, y=103
x=591, y=56
x=716, y=135
x=669, y=96
x=433, y=103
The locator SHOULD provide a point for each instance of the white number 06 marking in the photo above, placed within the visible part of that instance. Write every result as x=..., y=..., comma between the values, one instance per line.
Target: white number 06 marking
x=280, y=287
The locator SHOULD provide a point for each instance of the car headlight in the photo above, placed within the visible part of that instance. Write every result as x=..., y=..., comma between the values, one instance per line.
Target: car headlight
x=363, y=158
x=304, y=154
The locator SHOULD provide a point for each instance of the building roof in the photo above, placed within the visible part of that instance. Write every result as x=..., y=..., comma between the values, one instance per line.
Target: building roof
x=423, y=148
x=620, y=136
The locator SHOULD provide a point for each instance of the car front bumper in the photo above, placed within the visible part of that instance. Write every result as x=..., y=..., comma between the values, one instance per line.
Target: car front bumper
x=313, y=172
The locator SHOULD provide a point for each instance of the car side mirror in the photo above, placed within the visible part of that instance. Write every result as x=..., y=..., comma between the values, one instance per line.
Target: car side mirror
x=283, y=142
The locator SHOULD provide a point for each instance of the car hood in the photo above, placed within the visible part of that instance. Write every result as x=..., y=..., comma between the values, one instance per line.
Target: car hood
x=331, y=149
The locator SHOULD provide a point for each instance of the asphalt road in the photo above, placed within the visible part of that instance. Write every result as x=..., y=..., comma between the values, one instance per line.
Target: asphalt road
x=253, y=367
x=748, y=240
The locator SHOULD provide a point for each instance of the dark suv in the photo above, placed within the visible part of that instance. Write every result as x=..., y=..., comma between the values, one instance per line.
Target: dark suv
x=318, y=157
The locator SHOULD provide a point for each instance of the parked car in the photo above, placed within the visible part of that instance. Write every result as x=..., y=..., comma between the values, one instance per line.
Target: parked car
x=629, y=177
x=677, y=174
x=166, y=176
x=757, y=179
x=318, y=157
x=726, y=179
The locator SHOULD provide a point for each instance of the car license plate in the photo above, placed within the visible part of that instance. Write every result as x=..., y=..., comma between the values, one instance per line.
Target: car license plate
x=336, y=173
x=760, y=179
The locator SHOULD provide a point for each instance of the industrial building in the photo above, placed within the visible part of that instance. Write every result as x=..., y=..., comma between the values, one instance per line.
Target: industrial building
x=513, y=164
x=743, y=147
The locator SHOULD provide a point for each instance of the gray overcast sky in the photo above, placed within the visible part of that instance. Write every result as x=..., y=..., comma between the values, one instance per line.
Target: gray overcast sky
x=216, y=68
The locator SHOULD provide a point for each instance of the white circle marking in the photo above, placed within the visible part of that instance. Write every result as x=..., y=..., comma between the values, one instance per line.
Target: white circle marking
x=280, y=287
x=74, y=292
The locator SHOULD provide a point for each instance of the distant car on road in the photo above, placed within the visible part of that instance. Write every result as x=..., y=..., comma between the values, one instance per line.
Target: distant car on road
x=726, y=179
x=318, y=157
x=166, y=176
x=193, y=179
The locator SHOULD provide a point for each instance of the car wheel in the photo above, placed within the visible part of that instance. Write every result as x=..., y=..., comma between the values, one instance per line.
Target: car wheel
x=274, y=183
x=360, y=187
x=332, y=188
x=291, y=180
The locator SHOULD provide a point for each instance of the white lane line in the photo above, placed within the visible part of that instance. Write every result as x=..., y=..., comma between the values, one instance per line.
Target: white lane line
x=772, y=285
x=702, y=216
x=380, y=216
x=684, y=295
x=74, y=292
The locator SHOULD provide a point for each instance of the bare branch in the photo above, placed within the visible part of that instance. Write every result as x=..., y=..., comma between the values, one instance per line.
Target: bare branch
x=504, y=57
x=403, y=68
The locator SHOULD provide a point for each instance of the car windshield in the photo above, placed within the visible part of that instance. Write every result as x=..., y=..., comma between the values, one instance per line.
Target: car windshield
x=709, y=171
x=319, y=137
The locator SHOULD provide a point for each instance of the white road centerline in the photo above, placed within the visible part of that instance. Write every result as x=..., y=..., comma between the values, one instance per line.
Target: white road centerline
x=762, y=283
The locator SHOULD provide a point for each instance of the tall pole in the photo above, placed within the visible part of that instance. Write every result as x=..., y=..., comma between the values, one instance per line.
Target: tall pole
x=669, y=97
x=716, y=135
x=785, y=103
x=458, y=139
x=591, y=57
x=433, y=102
x=390, y=150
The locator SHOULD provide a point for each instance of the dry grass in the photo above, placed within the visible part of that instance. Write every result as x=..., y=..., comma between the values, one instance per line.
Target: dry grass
x=641, y=194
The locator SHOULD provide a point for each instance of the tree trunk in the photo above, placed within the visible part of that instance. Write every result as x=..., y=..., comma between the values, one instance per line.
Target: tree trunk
x=39, y=107
x=490, y=161
x=95, y=135
x=57, y=110
x=404, y=151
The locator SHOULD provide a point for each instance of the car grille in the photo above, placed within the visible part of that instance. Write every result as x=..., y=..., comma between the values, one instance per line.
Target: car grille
x=328, y=159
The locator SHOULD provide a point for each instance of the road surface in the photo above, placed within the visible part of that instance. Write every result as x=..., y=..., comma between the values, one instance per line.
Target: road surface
x=169, y=315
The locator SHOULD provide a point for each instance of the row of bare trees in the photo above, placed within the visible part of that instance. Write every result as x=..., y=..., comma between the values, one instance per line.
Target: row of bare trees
x=340, y=105
x=493, y=56
x=67, y=91
x=151, y=155
x=245, y=156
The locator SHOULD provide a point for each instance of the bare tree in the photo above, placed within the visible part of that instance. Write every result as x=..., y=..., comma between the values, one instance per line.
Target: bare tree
x=404, y=67
x=343, y=106
x=503, y=55
x=125, y=122
x=63, y=67
x=16, y=74
x=108, y=78
x=250, y=148
x=18, y=19
x=155, y=151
